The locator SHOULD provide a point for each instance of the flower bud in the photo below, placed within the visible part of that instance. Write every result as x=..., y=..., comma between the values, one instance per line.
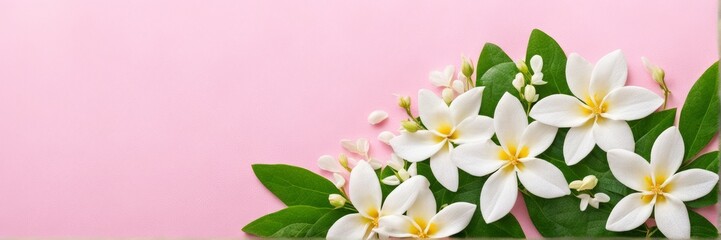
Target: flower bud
x=518, y=82
x=657, y=73
x=589, y=182
x=459, y=86
x=343, y=160
x=522, y=67
x=536, y=63
x=336, y=200
x=410, y=126
x=448, y=95
x=530, y=93
x=404, y=102
x=466, y=66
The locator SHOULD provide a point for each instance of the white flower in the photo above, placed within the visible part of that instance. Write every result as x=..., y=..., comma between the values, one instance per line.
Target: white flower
x=360, y=146
x=589, y=182
x=402, y=174
x=385, y=137
x=593, y=201
x=365, y=195
x=423, y=222
x=518, y=82
x=530, y=94
x=520, y=144
x=607, y=104
x=442, y=78
x=660, y=189
x=377, y=116
x=537, y=66
x=446, y=125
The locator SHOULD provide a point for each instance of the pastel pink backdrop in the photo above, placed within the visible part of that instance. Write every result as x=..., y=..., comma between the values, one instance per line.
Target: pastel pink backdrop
x=142, y=118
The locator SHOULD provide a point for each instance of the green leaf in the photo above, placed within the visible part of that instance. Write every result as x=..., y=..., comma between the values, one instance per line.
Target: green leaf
x=646, y=130
x=497, y=81
x=294, y=221
x=294, y=185
x=554, y=63
x=320, y=228
x=701, y=227
x=708, y=161
x=469, y=190
x=699, y=120
x=491, y=55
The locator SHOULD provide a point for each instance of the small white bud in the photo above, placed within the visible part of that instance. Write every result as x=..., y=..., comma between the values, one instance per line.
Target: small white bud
x=404, y=174
x=587, y=183
x=448, y=95
x=459, y=86
x=466, y=66
x=521, y=65
x=536, y=64
x=377, y=116
x=404, y=102
x=657, y=73
x=413, y=169
x=518, y=82
x=537, y=79
x=336, y=200
x=385, y=137
x=410, y=126
x=530, y=93
x=391, y=180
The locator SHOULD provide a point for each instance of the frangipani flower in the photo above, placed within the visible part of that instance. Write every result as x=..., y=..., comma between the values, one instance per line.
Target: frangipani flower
x=423, y=222
x=605, y=104
x=660, y=189
x=365, y=195
x=516, y=157
x=446, y=125
x=597, y=198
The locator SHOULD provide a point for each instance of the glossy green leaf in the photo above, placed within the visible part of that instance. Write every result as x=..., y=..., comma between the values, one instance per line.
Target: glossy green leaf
x=646, y=130
x=320, y=228
x=708, y=161
x=294, y=221
x=701, y=227
x=497, y=81
x=699, y=120
x=469, y=190
x=554, y=63
x=491, y=55
x=294, y=185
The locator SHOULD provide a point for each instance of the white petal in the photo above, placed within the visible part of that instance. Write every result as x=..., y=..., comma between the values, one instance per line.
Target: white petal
x=351, y=226
x=363, y=146
x=417, y=146
x=442, y=78
x=377, y=116
x=478, y=159
x=459, y=86
x=396, y=226
x=538, y=137
x=613, y=134
x=452, y=219
x=585, y=200
x=560, y=111
x=474, y=129
x=649, y=66
x=631, y=103
x=403, y=196
x=433, y=111
x=330, y=164
x=629, y=168
x=424, y=207
x=413, y=169
x=543, y=179
x=667, y=153
x=391, y=180
x=601, y=197
x=385, y=137
x=536, y=63
x=579, y=142
x=338, y=180
x=609, y=73
x=629, y=213
x=509, y=120
x=364, y=189
x=444, y=169
x=498, y=195
x=692, y=184
x=578, y=75
x=466, y=105
x=672, y=218
x=349, y=145
x=375, y=163
x=448, y=95
x=395, y=162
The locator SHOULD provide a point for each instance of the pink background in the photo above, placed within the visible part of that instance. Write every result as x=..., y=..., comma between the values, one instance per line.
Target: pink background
x=142, y=118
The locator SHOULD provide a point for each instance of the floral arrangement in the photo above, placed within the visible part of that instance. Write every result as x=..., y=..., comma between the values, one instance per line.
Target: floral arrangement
x=565, y=133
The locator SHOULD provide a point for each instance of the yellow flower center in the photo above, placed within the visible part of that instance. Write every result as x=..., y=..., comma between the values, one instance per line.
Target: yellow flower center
x=596, y=106
x=373, y=213
x=423, y=232
x=446, y=131
x=512, y=156
x=656, y=189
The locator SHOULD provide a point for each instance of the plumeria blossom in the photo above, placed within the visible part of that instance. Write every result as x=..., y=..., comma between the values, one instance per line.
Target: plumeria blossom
x=445, y=125
x=365, y=195
x=605, y=104
x=397, y=164
x=597, y=198
x=514, y=160
x=423, y=222
x=660, y=188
